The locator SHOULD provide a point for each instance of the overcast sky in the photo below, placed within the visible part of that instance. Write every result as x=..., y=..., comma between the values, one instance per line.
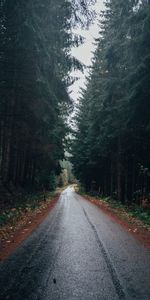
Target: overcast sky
x=84, y=52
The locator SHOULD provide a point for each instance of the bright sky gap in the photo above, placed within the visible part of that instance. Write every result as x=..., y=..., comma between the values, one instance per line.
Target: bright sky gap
x=85, y=52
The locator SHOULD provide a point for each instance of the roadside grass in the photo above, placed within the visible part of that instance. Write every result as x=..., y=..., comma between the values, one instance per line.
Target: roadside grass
x=23, y=204
x=133, y=210
x=26, y=203
x=126, y=212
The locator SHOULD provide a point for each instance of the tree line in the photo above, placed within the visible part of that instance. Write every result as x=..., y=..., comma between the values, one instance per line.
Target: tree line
x=35, y=65
x=111, y=144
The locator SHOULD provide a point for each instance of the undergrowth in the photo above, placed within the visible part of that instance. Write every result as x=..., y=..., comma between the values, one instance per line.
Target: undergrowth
x=133, y=210
x=24, y=203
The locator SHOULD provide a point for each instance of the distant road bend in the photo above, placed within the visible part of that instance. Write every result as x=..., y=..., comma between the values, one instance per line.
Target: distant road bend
x=78, y=252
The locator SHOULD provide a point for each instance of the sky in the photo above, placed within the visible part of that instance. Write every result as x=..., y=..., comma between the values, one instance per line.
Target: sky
x=85, y=52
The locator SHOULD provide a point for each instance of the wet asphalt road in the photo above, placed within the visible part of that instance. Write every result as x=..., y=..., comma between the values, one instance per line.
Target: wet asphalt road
x=77, y=253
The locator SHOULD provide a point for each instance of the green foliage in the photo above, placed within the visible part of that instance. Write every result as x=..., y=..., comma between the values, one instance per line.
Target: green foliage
x=43, y=179
x=52, y=181
x=66, y=165
x=141, y=214
x=111, y=145
x=25, y=203
x=35, y=59
x=124, y=211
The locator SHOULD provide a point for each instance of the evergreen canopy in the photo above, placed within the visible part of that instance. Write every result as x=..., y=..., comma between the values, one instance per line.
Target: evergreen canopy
x=112, y=140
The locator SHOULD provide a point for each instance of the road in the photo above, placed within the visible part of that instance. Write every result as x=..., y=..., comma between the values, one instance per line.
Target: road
x=78, y=252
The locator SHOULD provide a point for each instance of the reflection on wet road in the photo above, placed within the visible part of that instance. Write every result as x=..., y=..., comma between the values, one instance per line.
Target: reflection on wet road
x=77, y=253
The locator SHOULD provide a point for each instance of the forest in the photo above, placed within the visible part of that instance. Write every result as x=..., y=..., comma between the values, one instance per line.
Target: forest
x=110, y=140
x=111, y=144
x=35, y=65
x=74, y=149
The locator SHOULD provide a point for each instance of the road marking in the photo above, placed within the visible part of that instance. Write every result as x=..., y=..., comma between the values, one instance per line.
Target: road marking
x=115, y=278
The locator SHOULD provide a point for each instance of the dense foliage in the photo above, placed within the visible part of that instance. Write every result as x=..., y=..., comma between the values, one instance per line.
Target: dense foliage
x=112, y=141
x=35, y=63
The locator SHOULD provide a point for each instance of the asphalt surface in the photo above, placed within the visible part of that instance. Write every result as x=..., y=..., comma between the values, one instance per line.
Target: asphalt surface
x=78, y=252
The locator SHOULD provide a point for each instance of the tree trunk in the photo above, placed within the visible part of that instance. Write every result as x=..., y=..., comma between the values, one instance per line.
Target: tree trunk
x=112, y=177
x=120, y=183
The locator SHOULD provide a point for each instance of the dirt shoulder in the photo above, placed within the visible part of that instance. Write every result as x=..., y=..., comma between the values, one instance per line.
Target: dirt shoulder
x=12, y=235
x=133, y=225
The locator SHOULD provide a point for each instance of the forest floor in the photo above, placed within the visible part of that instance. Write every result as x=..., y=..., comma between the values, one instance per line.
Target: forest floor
x=132, y=224
x=17, y=223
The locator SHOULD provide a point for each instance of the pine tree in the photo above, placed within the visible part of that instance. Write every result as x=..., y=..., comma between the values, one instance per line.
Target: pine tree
x=111, y=107
x=36, y=39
